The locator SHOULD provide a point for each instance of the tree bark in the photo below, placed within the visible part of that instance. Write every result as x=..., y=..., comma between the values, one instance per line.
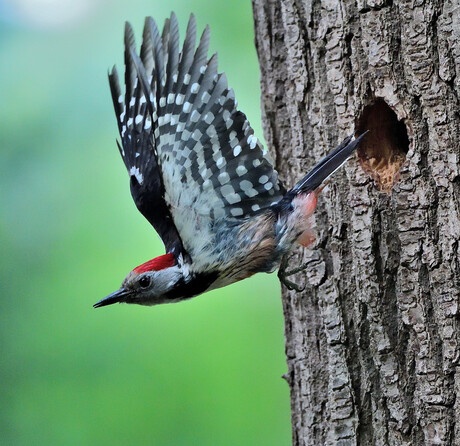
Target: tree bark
x=372, y=343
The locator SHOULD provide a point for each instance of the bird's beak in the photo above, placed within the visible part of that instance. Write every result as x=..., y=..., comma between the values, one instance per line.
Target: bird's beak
x=119, y=296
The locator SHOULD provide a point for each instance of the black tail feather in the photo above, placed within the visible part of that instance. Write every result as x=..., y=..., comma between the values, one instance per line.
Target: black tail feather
x=325, y=168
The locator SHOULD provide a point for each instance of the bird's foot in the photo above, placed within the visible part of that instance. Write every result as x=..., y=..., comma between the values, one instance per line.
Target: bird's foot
x=283, y=275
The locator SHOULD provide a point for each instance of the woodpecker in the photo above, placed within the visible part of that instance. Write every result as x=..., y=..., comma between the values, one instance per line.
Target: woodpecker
x=198, y=173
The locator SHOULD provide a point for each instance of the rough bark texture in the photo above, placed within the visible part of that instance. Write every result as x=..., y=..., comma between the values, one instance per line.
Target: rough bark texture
x=372, y=344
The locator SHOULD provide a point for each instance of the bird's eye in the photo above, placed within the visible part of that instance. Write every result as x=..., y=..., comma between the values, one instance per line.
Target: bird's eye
x=144, y=281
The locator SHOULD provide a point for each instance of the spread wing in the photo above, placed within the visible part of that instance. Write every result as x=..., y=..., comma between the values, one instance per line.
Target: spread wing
x=192, y=156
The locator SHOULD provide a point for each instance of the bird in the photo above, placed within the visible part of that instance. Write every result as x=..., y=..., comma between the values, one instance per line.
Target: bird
x=199, y=175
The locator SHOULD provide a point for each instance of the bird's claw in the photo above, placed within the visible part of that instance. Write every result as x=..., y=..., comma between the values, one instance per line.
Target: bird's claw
x=283, y=275
x=291, y=285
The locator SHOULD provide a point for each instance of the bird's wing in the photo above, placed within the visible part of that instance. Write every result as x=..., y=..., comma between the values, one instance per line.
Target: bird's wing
x=191, y=155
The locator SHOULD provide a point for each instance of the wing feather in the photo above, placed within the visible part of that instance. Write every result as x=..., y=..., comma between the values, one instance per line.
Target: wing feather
x=192, y=156
x=138, y=150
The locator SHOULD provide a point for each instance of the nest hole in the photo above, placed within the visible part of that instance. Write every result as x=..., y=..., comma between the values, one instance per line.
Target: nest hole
x=383, y=150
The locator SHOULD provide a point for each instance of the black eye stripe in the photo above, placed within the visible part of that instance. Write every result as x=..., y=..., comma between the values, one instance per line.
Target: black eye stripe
x=144, y=281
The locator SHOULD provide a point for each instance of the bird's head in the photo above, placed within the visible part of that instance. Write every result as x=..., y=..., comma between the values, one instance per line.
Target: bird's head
x=147, y=284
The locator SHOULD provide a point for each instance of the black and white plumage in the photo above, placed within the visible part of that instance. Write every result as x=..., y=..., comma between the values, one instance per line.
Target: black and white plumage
x=198, y=173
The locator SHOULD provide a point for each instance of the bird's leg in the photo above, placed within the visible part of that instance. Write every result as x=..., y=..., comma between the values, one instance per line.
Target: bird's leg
x=307, y=238
x=283, y=275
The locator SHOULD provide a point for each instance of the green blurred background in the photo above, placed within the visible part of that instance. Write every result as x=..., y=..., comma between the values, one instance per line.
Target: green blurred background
x=203, y=372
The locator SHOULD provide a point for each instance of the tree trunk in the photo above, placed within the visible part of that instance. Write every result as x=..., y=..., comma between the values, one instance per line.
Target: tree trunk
x=372, y=343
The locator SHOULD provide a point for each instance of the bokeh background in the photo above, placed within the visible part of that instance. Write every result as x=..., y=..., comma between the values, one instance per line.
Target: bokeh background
x=203, y=372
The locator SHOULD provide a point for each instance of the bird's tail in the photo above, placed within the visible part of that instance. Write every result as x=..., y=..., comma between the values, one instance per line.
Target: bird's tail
x=325, y=168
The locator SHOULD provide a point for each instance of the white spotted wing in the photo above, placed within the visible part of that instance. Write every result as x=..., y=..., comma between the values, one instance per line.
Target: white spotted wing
x=181, y=117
